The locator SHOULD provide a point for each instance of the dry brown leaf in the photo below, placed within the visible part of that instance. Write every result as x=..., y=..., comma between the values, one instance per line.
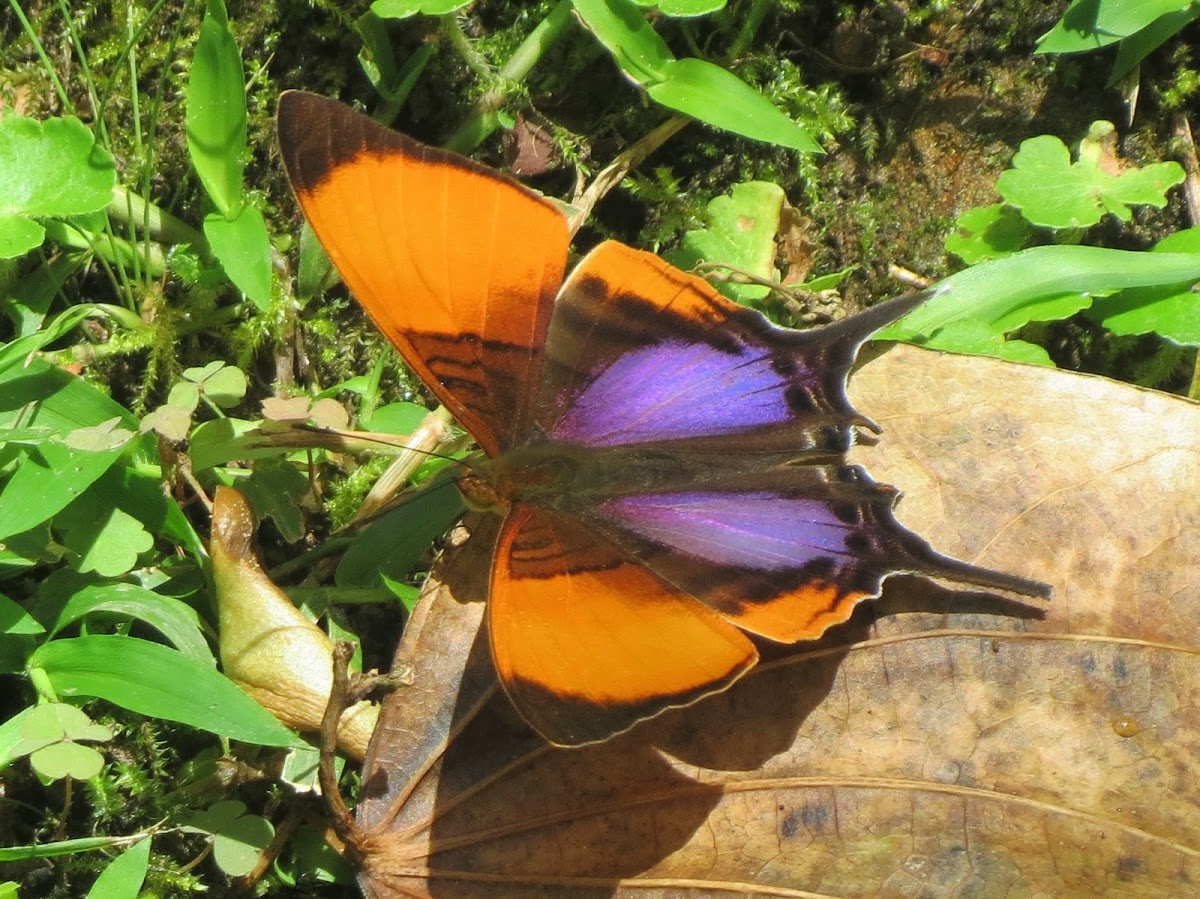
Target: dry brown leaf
x=937, y=745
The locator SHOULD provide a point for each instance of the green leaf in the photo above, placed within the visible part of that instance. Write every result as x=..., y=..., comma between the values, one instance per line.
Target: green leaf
x=52, y=168
x=238, y=848
x=987, y=232
x=42, y=395
x=52, y=722
x=15, y=620
x=396, y=418
x=102, y=538
x=1125, y=18
x=61, y=760
x=394, y=542
x=980, y=339
x=66, y=598
x=623, y=30
x=125, y=874
x=107, y=435
x=19, y=350
x=1049, y=308
x=159, y=682
x=62, y=847
x=50, y=478
x=402, y=9
x=1078, y=30
x=221, y=439
x=32, y=293
x=1137, y=47
x=243, y=247
x=719, y=98
x=275, y=489
x=239, y=838
x=216, y=112
x=1172, y=311
x=171, y=421
x=1051, y=191
x=226, y=387
x=741, y=234
x=683, y=8
x=997, y=289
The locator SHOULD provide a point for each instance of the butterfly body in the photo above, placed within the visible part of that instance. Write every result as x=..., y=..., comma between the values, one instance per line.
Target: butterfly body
x=669, y=466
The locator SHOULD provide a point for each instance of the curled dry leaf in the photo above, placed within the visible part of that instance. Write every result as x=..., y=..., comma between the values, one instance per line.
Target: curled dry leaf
x=939, y=744
x=268, y=647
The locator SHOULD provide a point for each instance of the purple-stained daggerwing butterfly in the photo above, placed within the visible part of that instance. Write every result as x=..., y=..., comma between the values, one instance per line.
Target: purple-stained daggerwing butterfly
x=670, y=466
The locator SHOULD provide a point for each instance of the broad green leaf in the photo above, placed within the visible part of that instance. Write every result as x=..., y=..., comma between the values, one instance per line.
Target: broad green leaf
x=995, y=290
x=980, y=339
x=243, y=248
x=43, y=395
x=1050, y=308
x=1126, y=17
x=622, y=29
x=125, y=874
x=52, y=168
x=402, y=9
x=50, y=478
x=741, y=233
x=1052, y=191
x=67, y=598
x=31, y=295
x=315, y=273
x=11, y=736
x=1172, y=311
x=987, y=232
x=216, y=112
x=159, y=682
x=138, y=491
x=719, y=98
x=15, y=620
x=684, y=7
x=395, y=541
x=1137, y=47
x=1078, y=30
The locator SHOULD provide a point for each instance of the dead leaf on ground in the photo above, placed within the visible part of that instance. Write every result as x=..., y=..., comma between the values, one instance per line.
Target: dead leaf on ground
x=939, y=744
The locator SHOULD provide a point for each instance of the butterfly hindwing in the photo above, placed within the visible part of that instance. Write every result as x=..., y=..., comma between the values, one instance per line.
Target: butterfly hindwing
x=587, y=642
x=457, y=265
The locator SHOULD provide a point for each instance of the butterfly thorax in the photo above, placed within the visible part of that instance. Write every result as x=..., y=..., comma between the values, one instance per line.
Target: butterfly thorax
x=556, y=475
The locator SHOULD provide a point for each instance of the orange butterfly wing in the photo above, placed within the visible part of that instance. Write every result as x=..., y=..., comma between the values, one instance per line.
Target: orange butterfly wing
x=587, y=642
x=457, y=265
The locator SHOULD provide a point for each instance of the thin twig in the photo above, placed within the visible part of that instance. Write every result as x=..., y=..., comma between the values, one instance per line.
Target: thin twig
x=339, y=701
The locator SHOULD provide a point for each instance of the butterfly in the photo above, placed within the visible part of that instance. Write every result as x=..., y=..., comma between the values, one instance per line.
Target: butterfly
x=670, y=466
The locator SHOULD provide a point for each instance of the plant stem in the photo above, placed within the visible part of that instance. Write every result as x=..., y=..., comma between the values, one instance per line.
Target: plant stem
x=750, y=24
x=127, y=206
x=485, y=119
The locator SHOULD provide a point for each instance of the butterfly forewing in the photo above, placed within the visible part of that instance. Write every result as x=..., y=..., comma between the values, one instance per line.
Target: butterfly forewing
x=457, y=265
